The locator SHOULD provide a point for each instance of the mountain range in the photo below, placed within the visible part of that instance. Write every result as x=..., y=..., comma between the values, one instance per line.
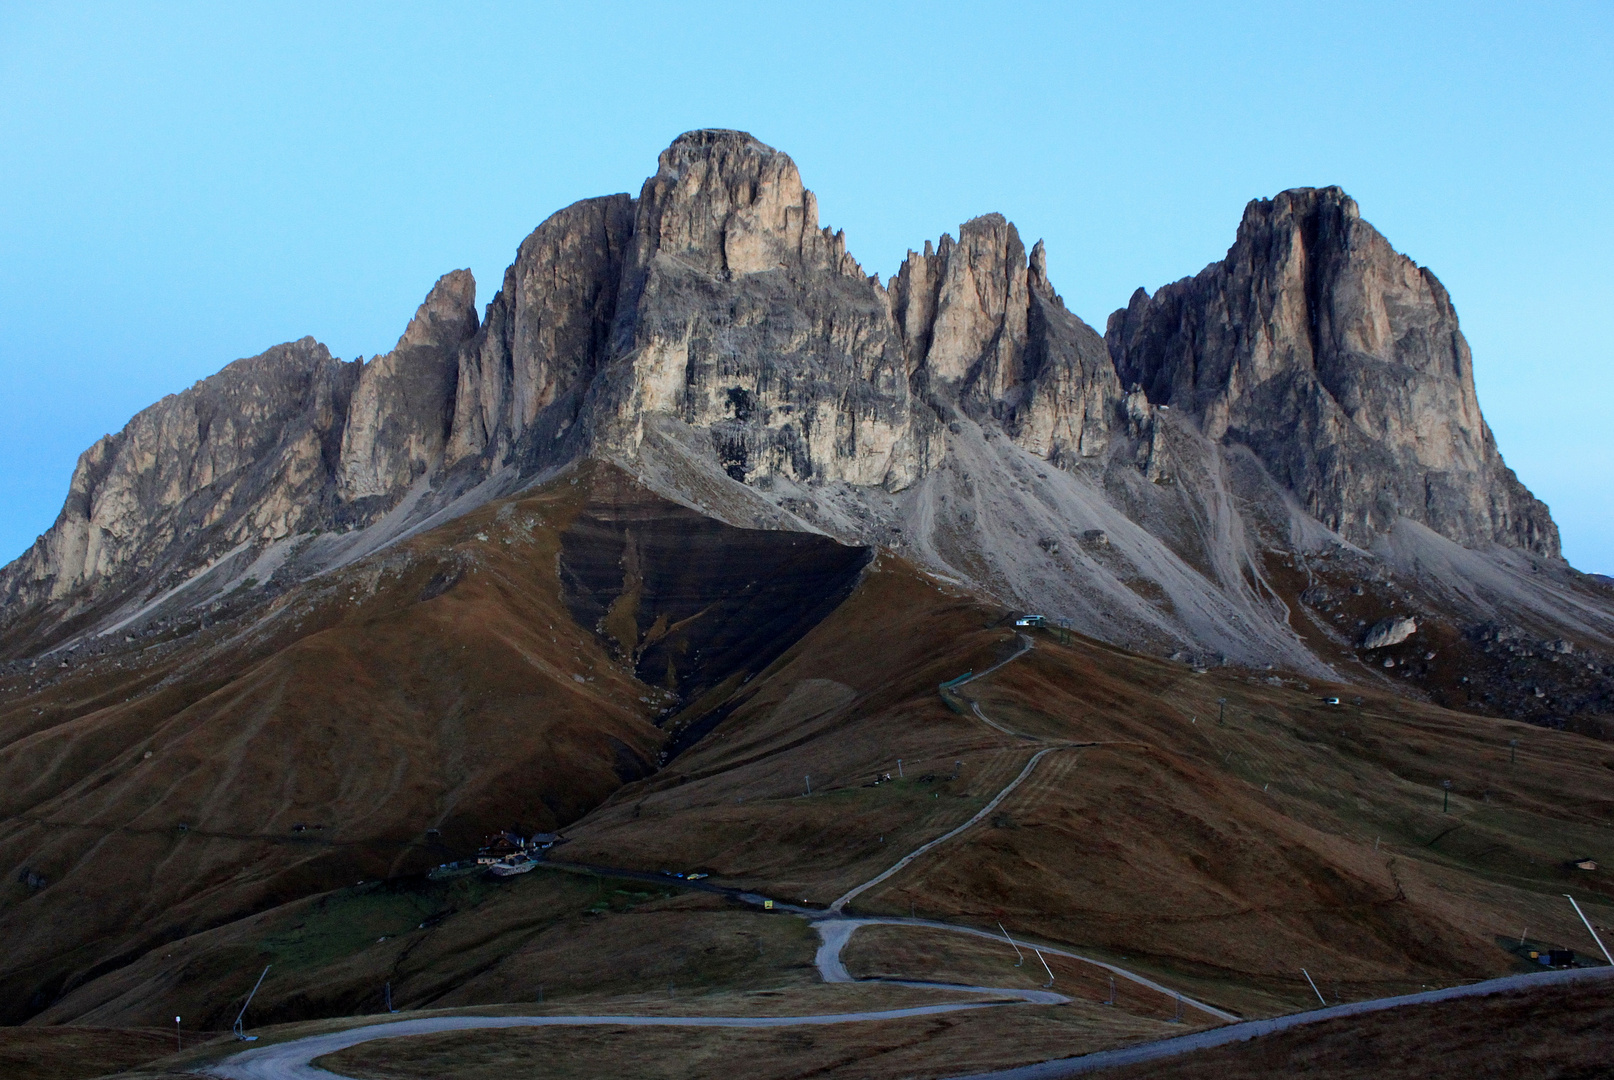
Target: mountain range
x=694, y=507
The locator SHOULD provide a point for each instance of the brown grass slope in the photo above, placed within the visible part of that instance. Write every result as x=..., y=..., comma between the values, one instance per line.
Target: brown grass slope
x=1225, y=856
x=78, y=1053
x=376, y=721
x=1222, y=857
x=550, y=935
x=397, y=711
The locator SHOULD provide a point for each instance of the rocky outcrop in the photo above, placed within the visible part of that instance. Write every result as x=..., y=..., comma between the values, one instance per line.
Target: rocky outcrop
x=400, y=415
x=712, y=337
x=1391, y=631
x=739, y=316
x=1339, y=362
x=246, y=455
x=288, y=442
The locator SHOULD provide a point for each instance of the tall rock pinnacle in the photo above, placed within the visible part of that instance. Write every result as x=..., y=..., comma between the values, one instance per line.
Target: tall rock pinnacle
x=1340, y=363
x=740, y=316
x=399, y=417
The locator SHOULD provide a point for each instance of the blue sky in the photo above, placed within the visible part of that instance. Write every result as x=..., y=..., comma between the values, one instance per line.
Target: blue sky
x=183, y=185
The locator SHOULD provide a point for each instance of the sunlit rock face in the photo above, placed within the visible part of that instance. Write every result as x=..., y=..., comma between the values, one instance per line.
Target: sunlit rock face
x=245, y=456
x=982, y=321
x=1340, y=363
x=399, y=416
x=522, y=380
x=712, y=338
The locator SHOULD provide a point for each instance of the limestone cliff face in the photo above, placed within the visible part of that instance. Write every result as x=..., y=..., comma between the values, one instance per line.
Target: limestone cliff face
x=243, y=456
x=400, y=414
x=739, y=315
x=712, y=334
x=1340, y=363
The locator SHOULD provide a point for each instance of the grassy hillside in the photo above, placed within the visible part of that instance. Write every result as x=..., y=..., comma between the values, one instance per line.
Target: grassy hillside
x=371, y=724
x=1217, y=831
x=1227, y=855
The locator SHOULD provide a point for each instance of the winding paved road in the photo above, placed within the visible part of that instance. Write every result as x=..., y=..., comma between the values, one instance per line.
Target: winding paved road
x=834, y=934
x=1250, y=1029
x=1025, y=646
x=292, y=1060
x=841, y=903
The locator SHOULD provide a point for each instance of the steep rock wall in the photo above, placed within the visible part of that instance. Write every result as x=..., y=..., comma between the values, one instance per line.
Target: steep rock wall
x=711, y=334
x=739, y=315
x=522, y=380
x=1341, y=364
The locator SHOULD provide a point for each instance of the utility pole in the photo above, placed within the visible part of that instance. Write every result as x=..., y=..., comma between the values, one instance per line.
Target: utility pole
x=1589, y=929
x=899, y=768
x=178, y=1045
x=240, y=1032
x=1012, y=945
x=1314, y=989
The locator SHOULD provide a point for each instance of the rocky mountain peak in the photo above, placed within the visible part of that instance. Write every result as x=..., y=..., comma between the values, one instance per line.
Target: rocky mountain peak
x=1340, y=363
x=710, y=337
x=521, y=380
x=729, y=205
x=448, y=314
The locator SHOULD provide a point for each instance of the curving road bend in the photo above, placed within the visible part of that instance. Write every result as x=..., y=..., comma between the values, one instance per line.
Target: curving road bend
x=841, y=902
x=293, y=1060
x=835, y=933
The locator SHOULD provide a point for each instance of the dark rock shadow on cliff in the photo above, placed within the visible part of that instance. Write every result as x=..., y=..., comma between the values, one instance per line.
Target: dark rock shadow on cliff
x=691, y=602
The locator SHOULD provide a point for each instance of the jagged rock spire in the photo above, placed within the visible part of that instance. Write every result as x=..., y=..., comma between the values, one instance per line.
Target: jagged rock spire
x=1340, y=363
